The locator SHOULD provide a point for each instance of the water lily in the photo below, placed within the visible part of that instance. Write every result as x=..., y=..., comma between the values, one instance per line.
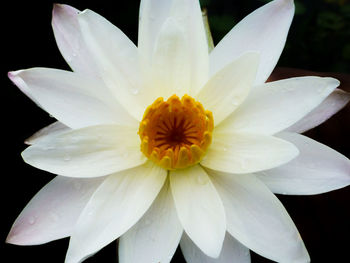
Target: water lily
x=164, y=143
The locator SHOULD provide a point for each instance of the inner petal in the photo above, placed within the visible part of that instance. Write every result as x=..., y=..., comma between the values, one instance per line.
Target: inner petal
x=176, y=133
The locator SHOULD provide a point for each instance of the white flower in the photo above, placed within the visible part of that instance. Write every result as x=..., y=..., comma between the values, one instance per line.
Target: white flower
x=209, y=160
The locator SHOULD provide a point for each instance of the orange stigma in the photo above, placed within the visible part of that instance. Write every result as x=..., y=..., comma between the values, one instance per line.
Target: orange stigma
x=176, y=133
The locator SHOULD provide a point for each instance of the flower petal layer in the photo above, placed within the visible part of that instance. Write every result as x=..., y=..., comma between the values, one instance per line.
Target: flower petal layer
x=53, y=211
x=187, y=13
x=54, y=128
x=118, y=203
x=170, y=70
x=228, y=88
x=232, y=251
x=199, y=208
x=88, y=152
x=116, y=59
x=275, y=106
x=246, y=153
x=318, y=169
x=156, y=235
x=330, y=106
x=75, y=100
x=70, y=41
x=265, y=31
x=257, y=219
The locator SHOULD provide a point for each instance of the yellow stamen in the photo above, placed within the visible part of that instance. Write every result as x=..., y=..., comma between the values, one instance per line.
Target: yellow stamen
x=176, y=133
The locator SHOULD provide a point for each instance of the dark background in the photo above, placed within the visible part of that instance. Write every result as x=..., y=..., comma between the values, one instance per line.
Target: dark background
x=318, y=41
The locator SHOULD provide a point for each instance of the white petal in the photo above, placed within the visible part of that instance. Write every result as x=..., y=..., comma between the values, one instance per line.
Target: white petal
x=153, y=14
x=75, y=100
x=187, y=13
x=199, y=208
x=232, y=251
x=274, y=106
x=54, y=128
x=170, y=70
x=88, y=152
x=228, y=88
x=116, y=59
x=265, y=31
x=246, y=153
x=318, y=169
x=53, y=211
x=155, y=236
x=257, y=219
x=70, y=40
x=117, y=205
x=330, y=106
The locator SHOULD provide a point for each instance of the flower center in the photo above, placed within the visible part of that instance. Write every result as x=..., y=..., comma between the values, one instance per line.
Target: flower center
x=176, y=133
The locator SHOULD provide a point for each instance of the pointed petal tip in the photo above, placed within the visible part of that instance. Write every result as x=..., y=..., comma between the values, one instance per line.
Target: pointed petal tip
x=16, y=239
x=332, y=82
x=13, y=76
x=57, y=8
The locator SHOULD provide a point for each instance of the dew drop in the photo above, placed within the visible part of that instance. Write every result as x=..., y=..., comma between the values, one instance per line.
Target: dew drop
x=224, y=149
x=74, y=54
x=55, y=217
x=48, y=148
x=31, y=220
x=135, y=91
x=202, y=179
x=66, y=158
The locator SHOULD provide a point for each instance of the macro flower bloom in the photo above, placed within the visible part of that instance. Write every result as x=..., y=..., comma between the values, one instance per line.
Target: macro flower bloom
x=165, y=142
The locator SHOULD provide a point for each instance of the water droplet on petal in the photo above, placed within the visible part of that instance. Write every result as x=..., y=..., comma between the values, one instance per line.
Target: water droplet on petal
x=74, y=54
x=31, y=220
x=66, y=158
x=55, y=217
x=135, y=91
x=202, y=179
x=224, y=149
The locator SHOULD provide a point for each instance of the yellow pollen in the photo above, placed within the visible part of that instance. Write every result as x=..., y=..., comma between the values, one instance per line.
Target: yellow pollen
x=176, y=133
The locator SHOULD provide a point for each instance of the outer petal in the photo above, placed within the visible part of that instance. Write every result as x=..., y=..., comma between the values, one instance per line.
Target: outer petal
x=257, y=219
x=199, y=208
x=265, y=31
x=274, y=106
x=316, y=170
x=156, y=235
x=54, y=128
x=117, y=205
x=116, y=59
x=225, y=91
x=153, y=14
x=232, y=251
x=53, y=211
x=330, y=106
x=246, y=153
x=75, y=100
x=88, y=152
x=70, y=40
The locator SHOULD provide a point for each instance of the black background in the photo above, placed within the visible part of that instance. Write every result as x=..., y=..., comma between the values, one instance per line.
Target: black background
x=28, y=41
